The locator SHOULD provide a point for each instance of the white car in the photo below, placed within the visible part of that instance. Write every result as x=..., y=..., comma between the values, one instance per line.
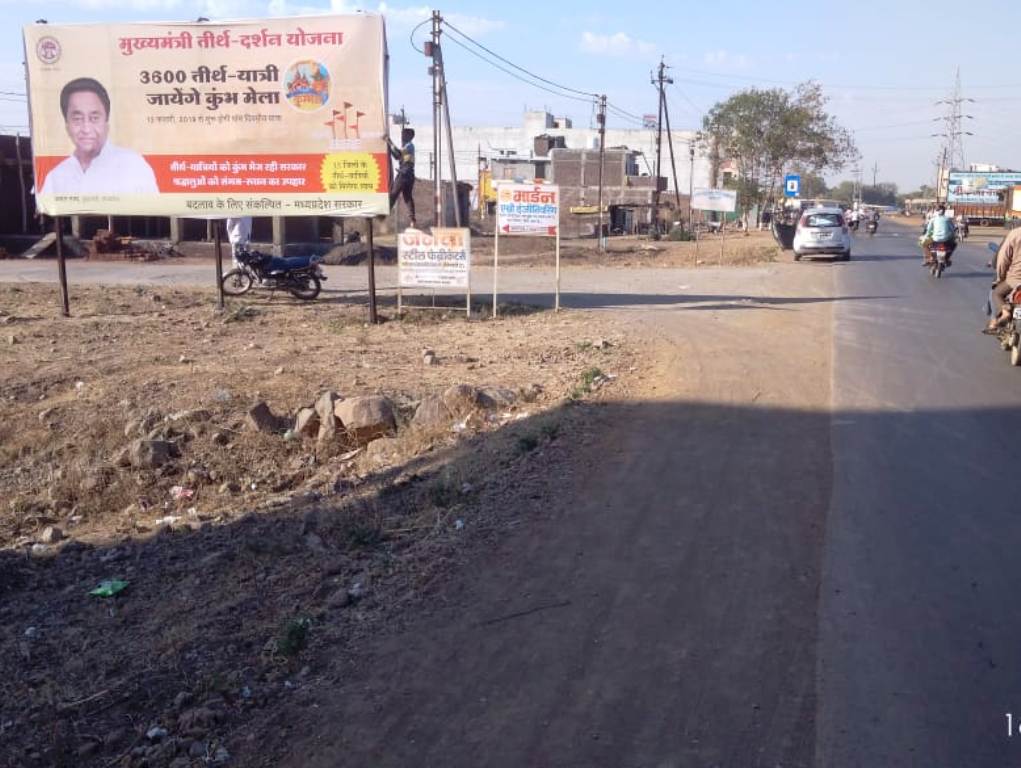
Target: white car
x=822, y=231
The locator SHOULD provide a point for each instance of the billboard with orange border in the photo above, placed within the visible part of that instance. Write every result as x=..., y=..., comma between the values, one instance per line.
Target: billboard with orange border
x=276, y=117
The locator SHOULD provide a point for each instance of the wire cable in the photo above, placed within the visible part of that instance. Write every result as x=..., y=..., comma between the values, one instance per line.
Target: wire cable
x=476, y=43
x=411, y=37
x=457, y=42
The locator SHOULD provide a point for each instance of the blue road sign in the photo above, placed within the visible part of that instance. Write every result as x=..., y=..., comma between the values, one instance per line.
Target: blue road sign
x=791, y=185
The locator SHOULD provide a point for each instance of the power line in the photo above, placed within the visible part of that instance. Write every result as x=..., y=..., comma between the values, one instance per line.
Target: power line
x=937, y=88
x=475, y=53
x=517, y=67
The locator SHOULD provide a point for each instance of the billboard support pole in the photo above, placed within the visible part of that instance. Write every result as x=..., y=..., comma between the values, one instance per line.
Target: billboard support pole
x=496, y=262
x=556, y=300
x=218, y=248
x=373, y=319
x=61, y=265
x=723, y=234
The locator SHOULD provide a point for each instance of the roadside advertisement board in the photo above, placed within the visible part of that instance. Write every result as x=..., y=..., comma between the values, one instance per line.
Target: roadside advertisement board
x=980, y=188
x=527, y=209
x=722, y=200
x=438, y=260
x=276, y=117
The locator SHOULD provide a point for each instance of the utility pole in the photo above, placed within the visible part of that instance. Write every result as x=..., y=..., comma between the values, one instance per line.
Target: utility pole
x=660, y=80
x=432, y=50
x=691, y=185
x=445, y=101
x=875, y=173
x=601, y=122
x=670, y=144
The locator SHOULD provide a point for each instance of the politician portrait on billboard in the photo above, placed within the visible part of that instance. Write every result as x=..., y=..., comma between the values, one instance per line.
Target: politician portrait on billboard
x=95, y=165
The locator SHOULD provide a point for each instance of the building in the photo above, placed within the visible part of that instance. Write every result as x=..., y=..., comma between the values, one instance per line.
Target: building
x=519, y=150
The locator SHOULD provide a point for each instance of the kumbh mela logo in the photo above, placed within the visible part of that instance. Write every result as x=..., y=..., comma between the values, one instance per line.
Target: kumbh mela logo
x=506, y=195
x=48, y=50
x=350, y=172
x=307, y=85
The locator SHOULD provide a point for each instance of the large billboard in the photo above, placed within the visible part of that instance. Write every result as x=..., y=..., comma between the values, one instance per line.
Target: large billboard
x=980, y=188
x=281, y=117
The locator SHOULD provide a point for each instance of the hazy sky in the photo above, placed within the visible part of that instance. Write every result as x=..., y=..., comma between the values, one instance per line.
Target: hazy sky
x=884, y=65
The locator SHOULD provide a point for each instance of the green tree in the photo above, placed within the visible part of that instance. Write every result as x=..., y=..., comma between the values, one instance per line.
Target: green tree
x=768, y=132
x=812, y=184
x=883, y=193
x=844, y=192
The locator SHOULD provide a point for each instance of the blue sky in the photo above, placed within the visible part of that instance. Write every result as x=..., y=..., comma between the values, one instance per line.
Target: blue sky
x=883, y=65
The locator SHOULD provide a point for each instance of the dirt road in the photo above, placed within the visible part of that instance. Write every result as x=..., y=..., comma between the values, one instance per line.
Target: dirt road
x=659, y=611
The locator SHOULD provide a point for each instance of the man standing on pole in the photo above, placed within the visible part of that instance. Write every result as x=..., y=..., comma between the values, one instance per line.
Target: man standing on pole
x=404, y=183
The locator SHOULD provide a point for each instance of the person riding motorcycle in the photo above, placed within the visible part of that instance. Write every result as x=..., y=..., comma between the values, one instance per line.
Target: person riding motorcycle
x=940, y=229
x=1008, y=278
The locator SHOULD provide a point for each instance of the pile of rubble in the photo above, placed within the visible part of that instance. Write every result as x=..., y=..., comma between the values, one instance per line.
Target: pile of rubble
x=108, y=245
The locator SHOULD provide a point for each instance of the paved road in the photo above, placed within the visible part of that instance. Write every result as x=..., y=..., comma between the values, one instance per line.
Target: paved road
x=580, y=287
x=920, y=642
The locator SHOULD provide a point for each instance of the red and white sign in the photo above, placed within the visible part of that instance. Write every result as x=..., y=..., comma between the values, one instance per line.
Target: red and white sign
x=528, y=209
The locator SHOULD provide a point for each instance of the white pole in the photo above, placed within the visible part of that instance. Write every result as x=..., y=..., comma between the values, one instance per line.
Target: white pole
x=496, y=260
x=556, y=305
x=723, y=235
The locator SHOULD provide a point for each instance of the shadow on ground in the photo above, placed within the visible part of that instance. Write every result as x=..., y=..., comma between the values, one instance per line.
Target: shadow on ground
x=602, y=585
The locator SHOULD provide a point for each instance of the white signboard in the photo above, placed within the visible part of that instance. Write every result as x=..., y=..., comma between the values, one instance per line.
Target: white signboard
x=438, y=260
x=527, y=209
x=723, y=200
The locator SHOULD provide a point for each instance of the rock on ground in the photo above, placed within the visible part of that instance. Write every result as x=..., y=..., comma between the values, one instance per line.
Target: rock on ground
x=150, y=454
x=307, y=423
x=432, y=413
x=324, y=408
x=366, y=418
x=261, y=419
x=461, y=399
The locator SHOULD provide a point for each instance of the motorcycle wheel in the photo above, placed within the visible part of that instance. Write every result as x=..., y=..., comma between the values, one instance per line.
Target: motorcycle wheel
x=1015, y=355
x=305, y=288
x=237, y=282
x=939, y=270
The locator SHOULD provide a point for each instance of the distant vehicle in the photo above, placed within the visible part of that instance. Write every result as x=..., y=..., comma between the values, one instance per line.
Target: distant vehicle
x=822, y=231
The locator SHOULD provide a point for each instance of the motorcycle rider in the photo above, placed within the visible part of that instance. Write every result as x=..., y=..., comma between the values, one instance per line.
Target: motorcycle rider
x=1008, y=278
x=940, y=229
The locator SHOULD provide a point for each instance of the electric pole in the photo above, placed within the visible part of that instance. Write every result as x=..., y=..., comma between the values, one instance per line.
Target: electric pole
x=601, y=122
x=670, y=144
x=875, y=173
x=660, y=80
x=432, y=50
x=691, y=185
x=445, y=102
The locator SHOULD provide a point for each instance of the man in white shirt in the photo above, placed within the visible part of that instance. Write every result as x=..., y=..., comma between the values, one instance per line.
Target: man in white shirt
x=96, y=166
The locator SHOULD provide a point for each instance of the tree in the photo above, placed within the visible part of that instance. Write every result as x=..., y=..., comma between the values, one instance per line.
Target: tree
x=812, y=184
x=844, y=192
x=767, y=132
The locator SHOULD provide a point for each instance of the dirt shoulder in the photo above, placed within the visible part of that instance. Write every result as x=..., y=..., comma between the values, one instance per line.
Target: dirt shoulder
x=651, y=594
x=618, y=567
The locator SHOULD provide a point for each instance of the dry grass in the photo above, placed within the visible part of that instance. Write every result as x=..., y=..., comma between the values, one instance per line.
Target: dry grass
x=72, y=385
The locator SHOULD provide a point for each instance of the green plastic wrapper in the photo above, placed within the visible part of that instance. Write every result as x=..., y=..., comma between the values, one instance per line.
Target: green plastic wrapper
x=109, y=588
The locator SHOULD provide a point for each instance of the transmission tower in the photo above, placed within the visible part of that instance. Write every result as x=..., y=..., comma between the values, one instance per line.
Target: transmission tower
x=953, y=120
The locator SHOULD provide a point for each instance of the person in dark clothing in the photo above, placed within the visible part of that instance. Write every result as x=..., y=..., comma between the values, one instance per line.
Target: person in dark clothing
x=404, y=183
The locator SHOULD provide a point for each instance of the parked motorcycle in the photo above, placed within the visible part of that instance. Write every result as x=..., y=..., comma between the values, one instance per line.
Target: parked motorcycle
x=301, y=276
x=1010, y=333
